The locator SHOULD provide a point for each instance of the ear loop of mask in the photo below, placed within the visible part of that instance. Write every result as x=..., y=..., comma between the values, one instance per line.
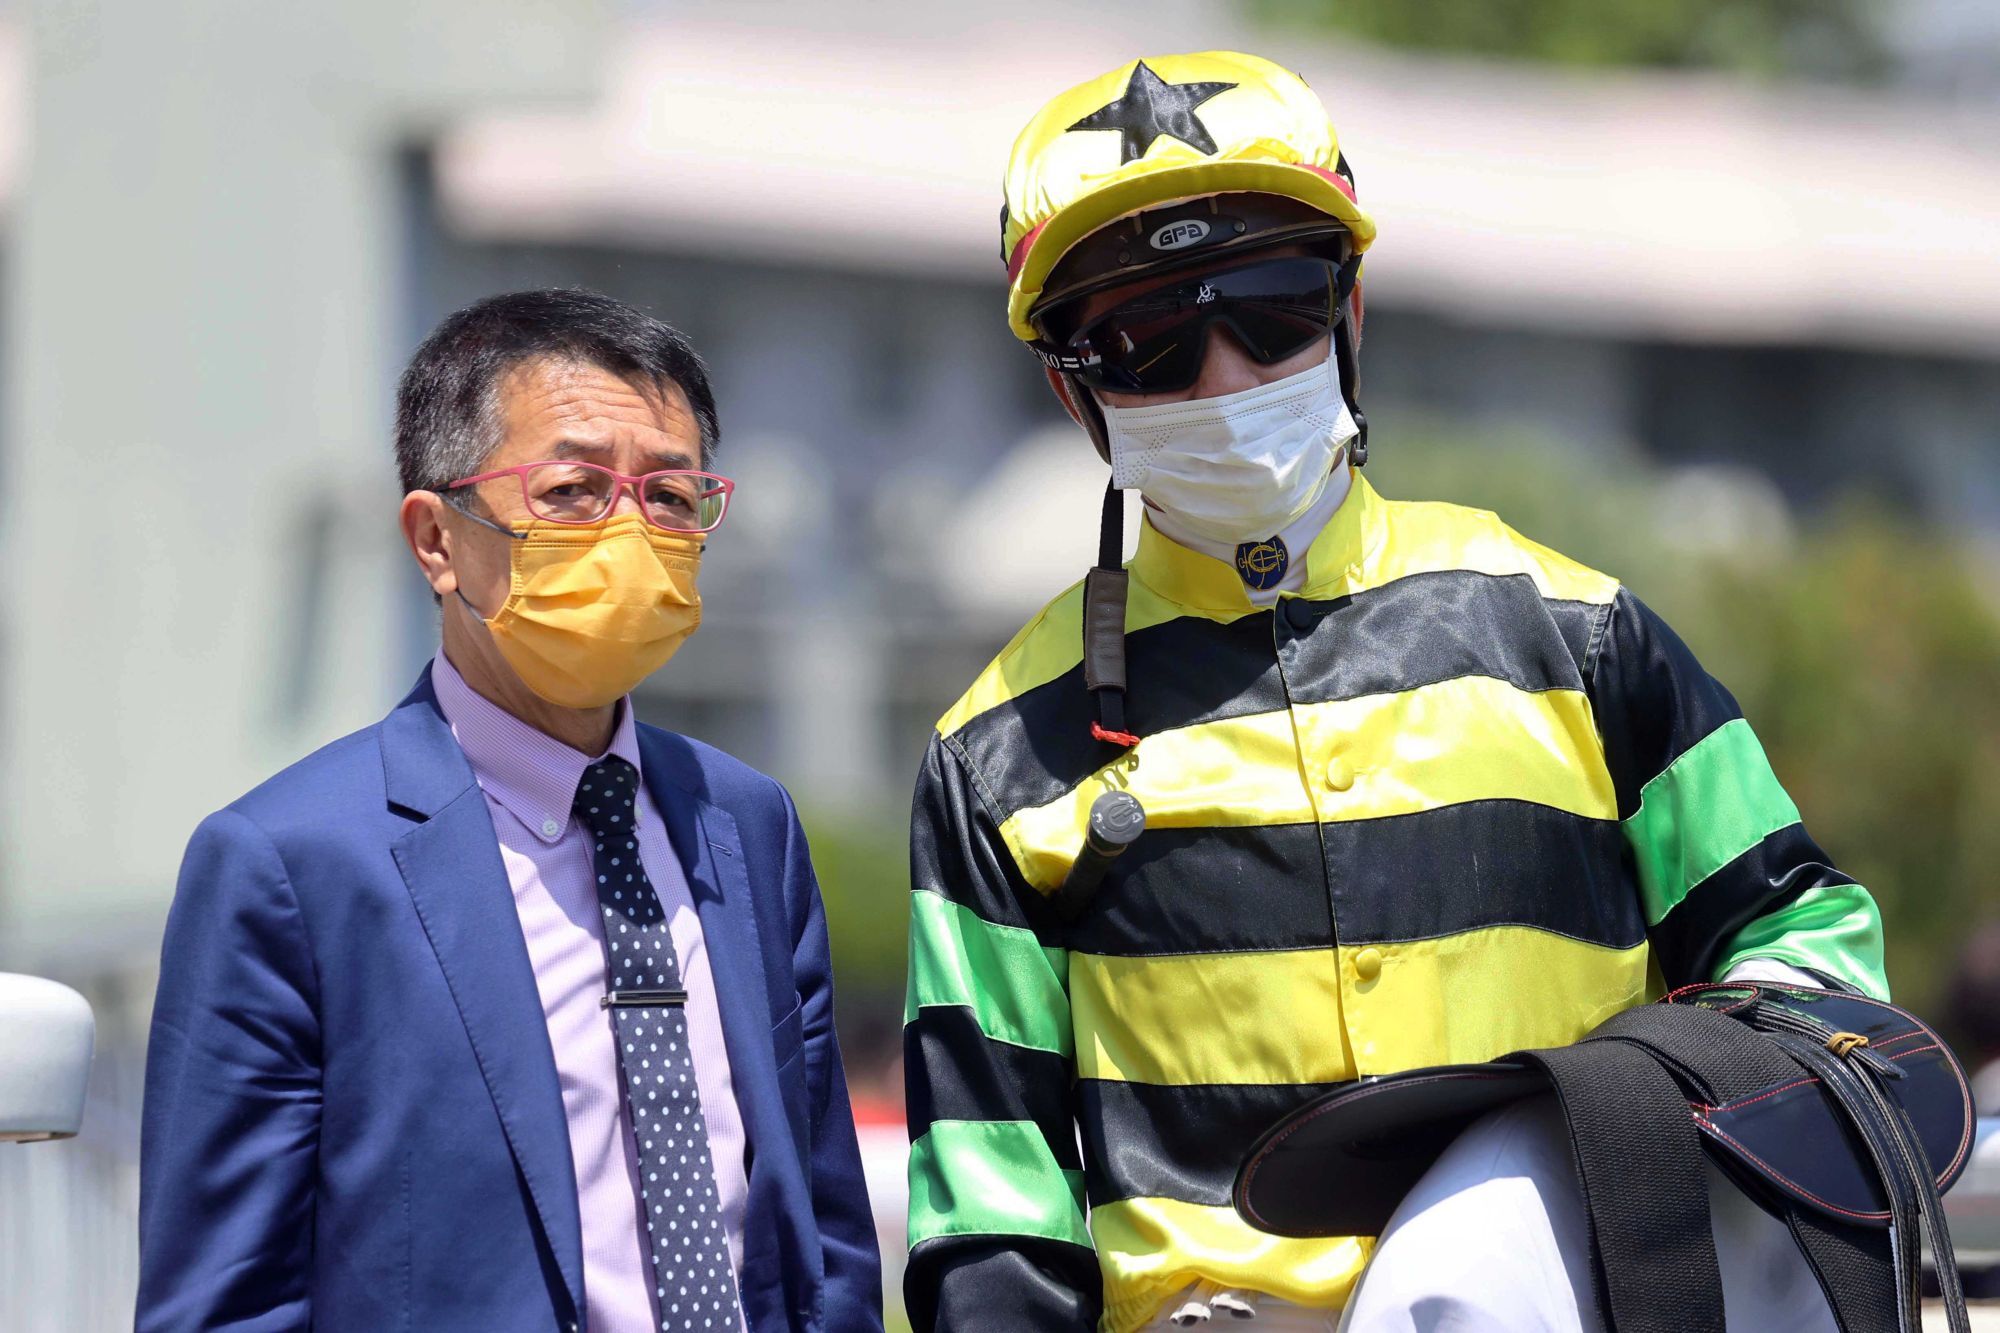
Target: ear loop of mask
x=508, y=533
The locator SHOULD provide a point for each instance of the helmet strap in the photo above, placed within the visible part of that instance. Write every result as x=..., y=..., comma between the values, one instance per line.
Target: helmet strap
x=1349, y=366
x=1104, y=593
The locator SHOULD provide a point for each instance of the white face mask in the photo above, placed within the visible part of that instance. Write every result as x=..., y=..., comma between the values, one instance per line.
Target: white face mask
x=1238, y=467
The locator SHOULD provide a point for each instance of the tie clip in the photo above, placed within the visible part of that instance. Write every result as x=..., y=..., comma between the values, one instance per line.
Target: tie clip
x=642, y=999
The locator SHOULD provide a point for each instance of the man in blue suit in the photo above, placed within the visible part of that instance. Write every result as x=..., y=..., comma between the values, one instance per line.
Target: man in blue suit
x=509, y=1012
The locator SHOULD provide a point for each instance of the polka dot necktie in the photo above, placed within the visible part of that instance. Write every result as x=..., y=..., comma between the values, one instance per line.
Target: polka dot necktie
x=692, y=1279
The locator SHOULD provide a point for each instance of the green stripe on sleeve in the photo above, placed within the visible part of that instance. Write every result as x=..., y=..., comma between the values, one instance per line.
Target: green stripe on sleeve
x=1711, y=805
x=1834, y=929
x=1014, y=985
x=992, y=1178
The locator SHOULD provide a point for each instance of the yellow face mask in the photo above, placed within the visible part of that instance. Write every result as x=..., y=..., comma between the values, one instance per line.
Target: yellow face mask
x=595, y=610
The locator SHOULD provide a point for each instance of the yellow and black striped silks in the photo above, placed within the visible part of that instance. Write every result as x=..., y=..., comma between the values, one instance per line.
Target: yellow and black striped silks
x=1459, y=797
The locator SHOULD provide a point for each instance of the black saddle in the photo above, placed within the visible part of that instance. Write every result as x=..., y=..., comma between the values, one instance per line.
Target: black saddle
x=1843, y=1116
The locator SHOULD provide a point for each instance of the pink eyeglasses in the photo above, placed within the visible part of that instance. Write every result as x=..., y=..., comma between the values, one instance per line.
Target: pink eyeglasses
x=560, y=492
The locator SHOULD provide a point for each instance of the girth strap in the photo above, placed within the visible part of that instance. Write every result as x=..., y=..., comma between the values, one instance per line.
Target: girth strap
x=1644, y=1190
x=1856, y=1268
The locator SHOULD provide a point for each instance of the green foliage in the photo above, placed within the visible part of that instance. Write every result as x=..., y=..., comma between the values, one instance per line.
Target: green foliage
x=1833, y=38
x=863, y=862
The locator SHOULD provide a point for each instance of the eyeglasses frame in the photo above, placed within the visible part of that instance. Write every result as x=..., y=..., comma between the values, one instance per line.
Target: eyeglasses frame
x=623, y=481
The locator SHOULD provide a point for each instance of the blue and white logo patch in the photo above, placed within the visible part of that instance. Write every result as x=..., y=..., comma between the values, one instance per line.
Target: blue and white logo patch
x=1262, y=565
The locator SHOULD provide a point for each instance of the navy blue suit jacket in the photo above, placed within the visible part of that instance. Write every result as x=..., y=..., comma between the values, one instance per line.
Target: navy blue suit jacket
x=352, y=1118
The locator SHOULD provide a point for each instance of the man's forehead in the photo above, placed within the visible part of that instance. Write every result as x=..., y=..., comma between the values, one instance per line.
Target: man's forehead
x=561, y=408
x=548, y=393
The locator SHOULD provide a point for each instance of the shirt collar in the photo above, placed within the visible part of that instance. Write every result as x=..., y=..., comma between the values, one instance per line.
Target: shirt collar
x=1334, y=562
x=529, y=772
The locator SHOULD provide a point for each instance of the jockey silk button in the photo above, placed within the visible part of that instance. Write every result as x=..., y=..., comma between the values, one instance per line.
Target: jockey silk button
x=1368, y=964
x=1339, y=774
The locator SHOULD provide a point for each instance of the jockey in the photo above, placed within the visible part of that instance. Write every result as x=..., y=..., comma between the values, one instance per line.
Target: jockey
x=1417, y=790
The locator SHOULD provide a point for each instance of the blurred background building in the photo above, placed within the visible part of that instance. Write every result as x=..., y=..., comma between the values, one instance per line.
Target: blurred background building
x=1708, y=296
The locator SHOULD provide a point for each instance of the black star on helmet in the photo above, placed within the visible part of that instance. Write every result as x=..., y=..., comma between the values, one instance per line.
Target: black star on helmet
x=1152, y=107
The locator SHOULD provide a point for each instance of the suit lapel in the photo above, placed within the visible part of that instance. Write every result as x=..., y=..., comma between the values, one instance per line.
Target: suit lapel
x=450, y=862
x=705, y=841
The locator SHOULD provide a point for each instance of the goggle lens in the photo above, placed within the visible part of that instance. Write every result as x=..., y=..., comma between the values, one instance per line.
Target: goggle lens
x=1154, y=342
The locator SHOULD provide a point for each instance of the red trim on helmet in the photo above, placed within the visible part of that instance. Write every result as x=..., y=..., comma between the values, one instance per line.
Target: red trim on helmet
x=1340, y=182
x=1021, y=248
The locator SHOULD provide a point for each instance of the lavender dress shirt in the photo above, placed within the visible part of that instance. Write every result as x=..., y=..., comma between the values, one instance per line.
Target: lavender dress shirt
x=530, y=779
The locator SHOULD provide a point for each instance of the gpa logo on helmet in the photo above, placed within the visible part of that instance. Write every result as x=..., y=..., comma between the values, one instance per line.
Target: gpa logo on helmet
x=1179, y=235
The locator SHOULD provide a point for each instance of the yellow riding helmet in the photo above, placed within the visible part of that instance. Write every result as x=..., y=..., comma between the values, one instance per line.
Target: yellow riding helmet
x=1161, y=129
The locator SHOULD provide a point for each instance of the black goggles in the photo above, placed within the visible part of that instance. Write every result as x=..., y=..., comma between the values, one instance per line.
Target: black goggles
x=1154, y=342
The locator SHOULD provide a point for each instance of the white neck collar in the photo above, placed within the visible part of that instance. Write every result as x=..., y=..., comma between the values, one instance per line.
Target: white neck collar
x=1297, y=536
